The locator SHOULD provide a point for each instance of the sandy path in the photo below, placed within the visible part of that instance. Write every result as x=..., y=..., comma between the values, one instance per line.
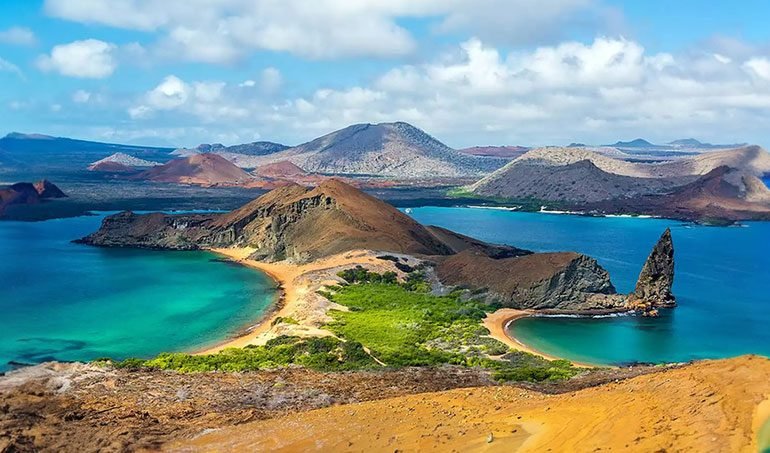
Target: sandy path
x=706, y=406
x=299, y=284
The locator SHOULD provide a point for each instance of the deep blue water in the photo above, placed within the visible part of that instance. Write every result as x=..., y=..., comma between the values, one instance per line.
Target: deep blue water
x=65, y=301
x=722, y=283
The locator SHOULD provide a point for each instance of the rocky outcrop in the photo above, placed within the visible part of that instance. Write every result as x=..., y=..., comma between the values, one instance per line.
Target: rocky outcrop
x=653, y=289
x=25, y=193
x=561, y=281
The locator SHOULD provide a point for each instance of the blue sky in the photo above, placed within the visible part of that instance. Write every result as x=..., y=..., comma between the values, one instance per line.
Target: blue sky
x=531, y=72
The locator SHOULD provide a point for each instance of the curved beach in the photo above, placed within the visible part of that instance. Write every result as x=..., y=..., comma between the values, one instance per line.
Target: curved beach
x=498, y=324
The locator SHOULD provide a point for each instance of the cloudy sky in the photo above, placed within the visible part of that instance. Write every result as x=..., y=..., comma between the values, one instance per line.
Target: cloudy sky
x=470, y=72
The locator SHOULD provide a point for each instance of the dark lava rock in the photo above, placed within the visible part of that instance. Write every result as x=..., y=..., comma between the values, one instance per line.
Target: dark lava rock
x=653, y=288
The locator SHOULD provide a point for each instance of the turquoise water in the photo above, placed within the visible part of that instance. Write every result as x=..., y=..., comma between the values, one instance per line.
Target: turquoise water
x=67, y=301
x=722, y=284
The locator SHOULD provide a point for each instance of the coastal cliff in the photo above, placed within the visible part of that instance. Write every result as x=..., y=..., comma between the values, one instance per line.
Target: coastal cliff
x=561, y=281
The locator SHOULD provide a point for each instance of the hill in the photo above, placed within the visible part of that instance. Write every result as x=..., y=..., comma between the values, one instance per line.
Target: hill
x=198, y=169
x=25, y=193
x=582, y=181
x=290, y=222
x=120, y=162
x=637, y=143
x=394, y=150
x=243, y=155
x=722, y=194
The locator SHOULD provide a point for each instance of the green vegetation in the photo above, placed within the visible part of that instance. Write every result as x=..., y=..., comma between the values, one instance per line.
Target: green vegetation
x=388, y=322
x=322, y=354
x=404, y=325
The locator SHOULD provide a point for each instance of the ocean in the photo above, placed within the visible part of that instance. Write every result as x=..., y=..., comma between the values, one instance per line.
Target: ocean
x=722, y=284
x=65, y=301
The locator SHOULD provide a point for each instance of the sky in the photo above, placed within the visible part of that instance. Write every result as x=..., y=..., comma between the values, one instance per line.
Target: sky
x=480, y=72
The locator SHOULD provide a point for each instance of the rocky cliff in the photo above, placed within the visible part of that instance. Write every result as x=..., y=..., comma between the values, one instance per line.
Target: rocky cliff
x=561, y=281
x=653, y=289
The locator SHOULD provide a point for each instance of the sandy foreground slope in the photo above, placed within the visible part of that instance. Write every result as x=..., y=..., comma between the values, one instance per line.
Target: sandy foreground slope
x=708, y=406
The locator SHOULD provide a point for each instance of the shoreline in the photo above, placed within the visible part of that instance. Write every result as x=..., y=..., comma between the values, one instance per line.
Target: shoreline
x=498, y=323
x=248, y=336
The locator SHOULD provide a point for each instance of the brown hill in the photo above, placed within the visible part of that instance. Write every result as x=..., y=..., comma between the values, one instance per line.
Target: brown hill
x=28, y=193
x=291, y=222
x=198, y=169
x=280, y=170
x=717, y=405
x=723, y=193
x=561, y=281
x=110, y=167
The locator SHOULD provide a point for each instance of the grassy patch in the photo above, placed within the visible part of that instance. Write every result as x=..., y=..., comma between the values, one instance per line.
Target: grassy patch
x=322, y=354
x=404, y=325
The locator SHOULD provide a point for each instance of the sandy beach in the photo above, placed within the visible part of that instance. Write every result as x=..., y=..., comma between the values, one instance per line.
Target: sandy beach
x=498, y=323
x=300, y=302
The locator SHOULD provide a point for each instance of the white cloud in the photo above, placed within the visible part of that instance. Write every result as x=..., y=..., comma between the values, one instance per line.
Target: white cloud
x=19, y=36
x=604, y=90
x=204, y=100
x=7, y=66
x=89, y=58
x=81, y=96
x=222, y=31
x=759, y=66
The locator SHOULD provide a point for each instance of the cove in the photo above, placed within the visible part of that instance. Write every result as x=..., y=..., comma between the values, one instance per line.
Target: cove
x=65, y=301
x=722, y=278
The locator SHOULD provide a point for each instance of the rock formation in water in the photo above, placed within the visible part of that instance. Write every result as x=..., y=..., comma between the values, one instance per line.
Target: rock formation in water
x=653, y=289
x=24, y=193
